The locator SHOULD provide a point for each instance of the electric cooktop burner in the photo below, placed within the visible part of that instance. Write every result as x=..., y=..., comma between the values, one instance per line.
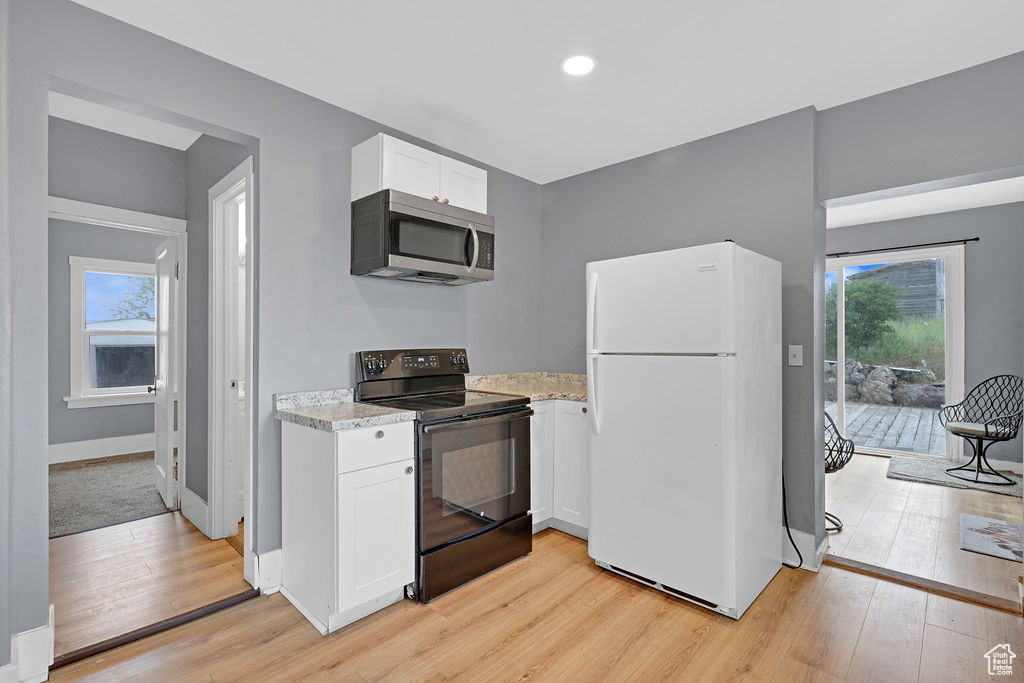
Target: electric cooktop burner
x=451, y=403
x=431, y=382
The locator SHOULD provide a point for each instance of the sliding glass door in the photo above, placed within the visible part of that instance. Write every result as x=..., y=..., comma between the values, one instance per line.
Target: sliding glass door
x=894, y=348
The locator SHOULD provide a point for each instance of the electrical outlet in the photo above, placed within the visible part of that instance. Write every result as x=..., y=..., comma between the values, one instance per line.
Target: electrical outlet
x=796, y=354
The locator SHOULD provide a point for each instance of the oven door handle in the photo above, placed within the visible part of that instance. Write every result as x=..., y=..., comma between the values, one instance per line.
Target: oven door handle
x=477, y=421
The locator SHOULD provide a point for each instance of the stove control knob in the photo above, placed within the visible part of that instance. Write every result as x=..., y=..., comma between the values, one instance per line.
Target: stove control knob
x=454, y=359
x=462, y=359
x=368, y=365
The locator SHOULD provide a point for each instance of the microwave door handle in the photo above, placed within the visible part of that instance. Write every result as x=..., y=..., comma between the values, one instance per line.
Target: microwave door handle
x=476, y=247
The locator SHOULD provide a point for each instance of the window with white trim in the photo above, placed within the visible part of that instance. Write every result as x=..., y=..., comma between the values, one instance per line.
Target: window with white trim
x=113, y=332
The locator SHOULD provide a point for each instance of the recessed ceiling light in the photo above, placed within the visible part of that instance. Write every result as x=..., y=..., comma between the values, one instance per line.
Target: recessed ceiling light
x=578, y=65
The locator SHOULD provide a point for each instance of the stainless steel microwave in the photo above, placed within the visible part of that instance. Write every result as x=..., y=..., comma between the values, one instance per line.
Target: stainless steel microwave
x=404, y=237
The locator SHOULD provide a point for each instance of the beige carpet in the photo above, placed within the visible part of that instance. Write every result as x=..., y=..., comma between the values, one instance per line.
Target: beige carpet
x=933, y=471
x=99, y=494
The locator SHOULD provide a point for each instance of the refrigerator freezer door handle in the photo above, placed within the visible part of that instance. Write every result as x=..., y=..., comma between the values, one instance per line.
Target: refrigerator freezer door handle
x=591, y=311
x=595, y=422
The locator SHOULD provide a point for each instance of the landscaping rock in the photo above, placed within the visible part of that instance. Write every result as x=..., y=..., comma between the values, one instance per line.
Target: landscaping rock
x=852, y=392
x=878, y=385
x=919, y=395
x=830, y=389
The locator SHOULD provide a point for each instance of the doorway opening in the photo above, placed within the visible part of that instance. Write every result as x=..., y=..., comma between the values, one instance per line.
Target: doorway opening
x=129, y=400
x=909, y=331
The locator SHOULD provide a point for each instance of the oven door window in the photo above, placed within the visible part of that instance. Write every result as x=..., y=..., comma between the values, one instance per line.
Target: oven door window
x=425, y=239
x=473, y=477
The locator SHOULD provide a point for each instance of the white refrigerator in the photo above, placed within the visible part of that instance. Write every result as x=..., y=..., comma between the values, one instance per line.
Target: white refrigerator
x=684, y=392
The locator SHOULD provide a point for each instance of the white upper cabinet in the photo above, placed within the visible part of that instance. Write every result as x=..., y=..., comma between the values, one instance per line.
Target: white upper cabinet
x=410, y=168
x=384, y=162
x=463, y=185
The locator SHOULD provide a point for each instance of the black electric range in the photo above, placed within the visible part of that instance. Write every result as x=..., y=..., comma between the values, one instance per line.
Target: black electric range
x=472, y=464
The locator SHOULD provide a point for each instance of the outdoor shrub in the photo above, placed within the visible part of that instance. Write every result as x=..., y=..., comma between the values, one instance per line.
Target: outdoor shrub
x=870, y=311
x=908, y=343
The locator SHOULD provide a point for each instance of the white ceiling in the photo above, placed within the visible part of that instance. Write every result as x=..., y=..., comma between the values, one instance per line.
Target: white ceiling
x=482, y=78
x=121, y=122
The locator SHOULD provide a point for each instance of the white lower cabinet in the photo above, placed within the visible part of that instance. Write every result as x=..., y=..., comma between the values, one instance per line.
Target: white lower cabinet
x=376, y=545
x=560, y=447
x=348, y=520
x=542, y=464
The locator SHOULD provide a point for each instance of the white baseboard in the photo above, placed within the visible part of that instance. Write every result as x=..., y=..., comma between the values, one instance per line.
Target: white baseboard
x=268, y=571
x=73, y=451
x=31, y=655
x=194, y=509
x=813, y=556
x=1014, y=467
x=569, y=528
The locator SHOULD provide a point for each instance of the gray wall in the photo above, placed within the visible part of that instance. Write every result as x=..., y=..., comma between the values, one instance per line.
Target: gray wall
x=77, y=239
x=312, y=313
x=100, y=167
x=993, y=281
x=967, y=122
x=8, y=547
x=754, y=185
x=96, y=166
x=207, y=161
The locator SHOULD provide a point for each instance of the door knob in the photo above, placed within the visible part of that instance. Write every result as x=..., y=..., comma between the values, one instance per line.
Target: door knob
x=408, y=470
x=435, y=197
x=445, y=200
x=380, y=434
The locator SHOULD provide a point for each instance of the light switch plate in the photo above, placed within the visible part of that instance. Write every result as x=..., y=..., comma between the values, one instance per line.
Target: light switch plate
x=796, y=354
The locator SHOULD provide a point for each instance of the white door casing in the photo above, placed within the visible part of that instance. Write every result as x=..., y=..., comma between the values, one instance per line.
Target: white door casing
x=164, y=384
x=230, y=473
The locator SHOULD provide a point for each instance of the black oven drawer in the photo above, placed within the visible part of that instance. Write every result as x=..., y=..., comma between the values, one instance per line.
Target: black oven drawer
x=474, y=474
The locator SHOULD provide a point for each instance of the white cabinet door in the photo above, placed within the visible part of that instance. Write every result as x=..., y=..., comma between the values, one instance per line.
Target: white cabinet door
x=376, y=547
x=572, y=463
x=542, y=466
x=411, y=169
x=463, y=185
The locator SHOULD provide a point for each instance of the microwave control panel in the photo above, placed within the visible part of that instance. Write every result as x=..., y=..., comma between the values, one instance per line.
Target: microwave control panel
x=411, y=363
x=485, y=260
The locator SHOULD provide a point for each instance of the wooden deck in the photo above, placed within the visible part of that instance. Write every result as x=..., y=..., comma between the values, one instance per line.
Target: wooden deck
x=897, y=428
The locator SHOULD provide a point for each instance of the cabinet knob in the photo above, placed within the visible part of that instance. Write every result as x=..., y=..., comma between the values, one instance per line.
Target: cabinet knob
x=435, y=197
x=408, y=470
x=379, y=434
x=584, y=410
x=445, y=200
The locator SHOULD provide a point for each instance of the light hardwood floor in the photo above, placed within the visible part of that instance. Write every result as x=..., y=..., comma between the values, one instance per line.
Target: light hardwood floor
x=915, y=528
x=556, y=616
x=107, y=582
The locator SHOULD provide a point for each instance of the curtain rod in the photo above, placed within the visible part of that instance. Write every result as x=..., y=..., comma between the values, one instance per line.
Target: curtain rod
x=909, y=246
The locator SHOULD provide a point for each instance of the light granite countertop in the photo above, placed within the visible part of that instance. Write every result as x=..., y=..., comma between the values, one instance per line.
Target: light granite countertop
x=539, y=386
x=334, y=411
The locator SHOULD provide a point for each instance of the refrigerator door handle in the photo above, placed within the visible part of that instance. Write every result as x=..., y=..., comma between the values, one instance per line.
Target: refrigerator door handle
x=591, y=311
x=595, y=422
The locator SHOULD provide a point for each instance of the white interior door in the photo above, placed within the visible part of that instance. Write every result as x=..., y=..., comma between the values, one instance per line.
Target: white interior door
x=165, y=369
x=230, y=379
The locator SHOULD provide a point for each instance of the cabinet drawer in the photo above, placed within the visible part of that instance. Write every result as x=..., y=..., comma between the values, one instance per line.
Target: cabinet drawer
x=358, y=449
